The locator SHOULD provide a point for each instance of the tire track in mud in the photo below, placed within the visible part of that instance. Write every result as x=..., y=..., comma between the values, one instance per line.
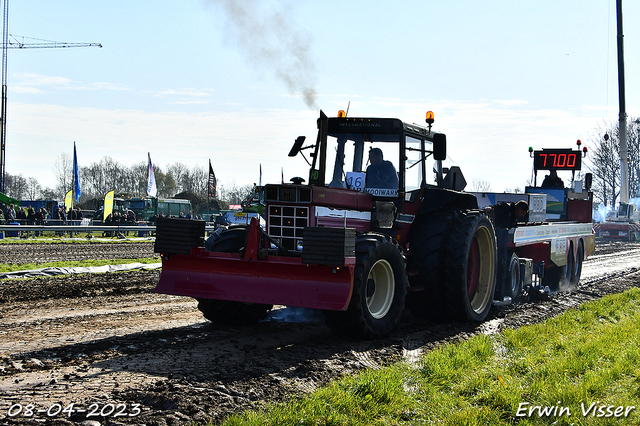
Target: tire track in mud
x=107, y=345
x=65, y=251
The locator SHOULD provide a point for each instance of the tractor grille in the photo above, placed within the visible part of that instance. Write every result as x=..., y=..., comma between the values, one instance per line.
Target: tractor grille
x=286, y=224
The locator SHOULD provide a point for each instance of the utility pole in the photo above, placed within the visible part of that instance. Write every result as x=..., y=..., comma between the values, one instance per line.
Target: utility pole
x=3, y=107
x=7, y=44
x=624, y=151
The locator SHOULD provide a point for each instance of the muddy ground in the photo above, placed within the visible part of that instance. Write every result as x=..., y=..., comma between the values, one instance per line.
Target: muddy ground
x=105, y=343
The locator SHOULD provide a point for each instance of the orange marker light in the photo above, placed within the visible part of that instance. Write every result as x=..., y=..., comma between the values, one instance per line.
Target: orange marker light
x=430, y=117
x=342, y=114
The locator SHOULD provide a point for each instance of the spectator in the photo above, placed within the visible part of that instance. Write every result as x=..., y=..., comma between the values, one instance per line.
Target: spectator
x=131, y=217
x=21, y=216
x=552, y=180
x=31, y=216
x=39, y=219
x=59, y=218
x=11, y=213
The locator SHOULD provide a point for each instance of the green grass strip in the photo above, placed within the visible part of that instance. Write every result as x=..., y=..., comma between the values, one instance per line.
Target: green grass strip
x=574, y=369
x=4, y=267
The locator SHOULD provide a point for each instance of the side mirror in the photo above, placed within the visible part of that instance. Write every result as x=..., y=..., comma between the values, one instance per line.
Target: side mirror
x=440, y=146
x=588, y=181
x=295, y=149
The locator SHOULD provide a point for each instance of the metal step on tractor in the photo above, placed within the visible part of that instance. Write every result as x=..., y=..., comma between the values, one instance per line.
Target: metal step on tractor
x=356, y=242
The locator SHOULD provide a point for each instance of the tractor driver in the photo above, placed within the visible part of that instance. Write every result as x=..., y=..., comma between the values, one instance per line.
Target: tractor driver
x=380, y=173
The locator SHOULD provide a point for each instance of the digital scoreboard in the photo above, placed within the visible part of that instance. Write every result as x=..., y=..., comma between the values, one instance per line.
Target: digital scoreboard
x=557, y=159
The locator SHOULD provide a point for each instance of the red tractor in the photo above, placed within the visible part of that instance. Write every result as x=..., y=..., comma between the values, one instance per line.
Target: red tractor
x=352, y=242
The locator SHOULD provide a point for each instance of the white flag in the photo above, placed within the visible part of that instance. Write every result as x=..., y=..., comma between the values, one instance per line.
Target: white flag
x=151, y=185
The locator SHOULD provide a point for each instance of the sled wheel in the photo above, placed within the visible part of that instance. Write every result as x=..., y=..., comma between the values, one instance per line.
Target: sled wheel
x=566, y=279
x=378, y=293
x=470, y=267
x=427, y=240
x=554, y=277
x=228, y=312
x=515, y=282
x=577, y=269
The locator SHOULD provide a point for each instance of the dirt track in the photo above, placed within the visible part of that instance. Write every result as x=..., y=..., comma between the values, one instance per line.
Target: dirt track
x=105, y=340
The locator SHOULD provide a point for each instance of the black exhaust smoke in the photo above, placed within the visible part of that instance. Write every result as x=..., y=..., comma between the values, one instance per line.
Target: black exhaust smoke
x=270, y=40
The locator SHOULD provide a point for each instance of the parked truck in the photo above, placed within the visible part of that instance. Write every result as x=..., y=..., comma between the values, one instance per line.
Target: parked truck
x=146, y=208
x=358, y=252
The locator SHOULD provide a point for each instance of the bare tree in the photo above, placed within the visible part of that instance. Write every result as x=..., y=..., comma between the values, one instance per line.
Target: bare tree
x=165, y=183
x=235, y=194
x=33, y=188
x=633, y=138
x=481, y=186
x=604, y=163
x=196, y=180
x=15, y=186
x=180, y=175
x=48, y=194
x=515, y=190
x=603, y=160
x=63, y=171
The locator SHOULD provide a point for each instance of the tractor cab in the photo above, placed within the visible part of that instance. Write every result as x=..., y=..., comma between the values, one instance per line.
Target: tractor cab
x=383, y=157
x=372, y=165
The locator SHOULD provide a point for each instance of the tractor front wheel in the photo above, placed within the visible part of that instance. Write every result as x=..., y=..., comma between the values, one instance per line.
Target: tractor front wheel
x=379, y=289
x=228, y=312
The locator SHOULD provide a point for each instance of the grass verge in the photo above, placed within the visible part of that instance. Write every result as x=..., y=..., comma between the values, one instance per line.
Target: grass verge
x=574, y=369
x=4, y=267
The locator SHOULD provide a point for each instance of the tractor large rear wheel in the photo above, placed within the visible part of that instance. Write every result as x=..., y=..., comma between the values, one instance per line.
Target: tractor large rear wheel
x=379, y=289
x=470, y=267
x=427, y=239
x=225, y=311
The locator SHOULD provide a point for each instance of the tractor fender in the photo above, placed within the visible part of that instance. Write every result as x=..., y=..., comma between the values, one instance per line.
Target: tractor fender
x=436, y=199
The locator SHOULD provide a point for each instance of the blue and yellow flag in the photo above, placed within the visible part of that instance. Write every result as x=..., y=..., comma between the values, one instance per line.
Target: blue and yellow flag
x=76, y=177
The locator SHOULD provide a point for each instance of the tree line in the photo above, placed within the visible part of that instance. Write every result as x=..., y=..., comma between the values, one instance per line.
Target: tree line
x=107, y=175
x=603, y=161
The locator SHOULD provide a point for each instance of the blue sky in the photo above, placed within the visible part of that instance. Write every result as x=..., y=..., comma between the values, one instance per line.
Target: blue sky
x=223, y=80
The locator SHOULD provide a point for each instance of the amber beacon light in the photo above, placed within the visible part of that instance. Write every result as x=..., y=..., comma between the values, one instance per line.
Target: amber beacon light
x=430, y=117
